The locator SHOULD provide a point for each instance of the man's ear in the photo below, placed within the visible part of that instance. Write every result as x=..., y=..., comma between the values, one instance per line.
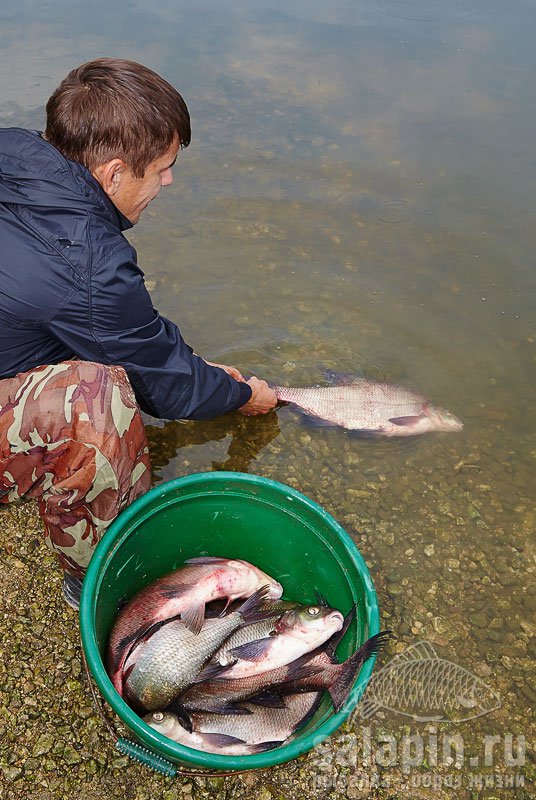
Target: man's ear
x=110, y=175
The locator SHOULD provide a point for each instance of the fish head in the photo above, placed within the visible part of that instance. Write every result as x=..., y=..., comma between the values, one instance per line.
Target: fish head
x=311, y=622
x=167, y=723
x=258, y=578
x=439, y=419
x=477, y=699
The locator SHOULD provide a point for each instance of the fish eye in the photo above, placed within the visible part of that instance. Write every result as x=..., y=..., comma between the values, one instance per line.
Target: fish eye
x=158, y=716
x=313, y=611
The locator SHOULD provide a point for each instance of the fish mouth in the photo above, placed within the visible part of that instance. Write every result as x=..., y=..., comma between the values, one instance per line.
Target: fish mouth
x=337, y=617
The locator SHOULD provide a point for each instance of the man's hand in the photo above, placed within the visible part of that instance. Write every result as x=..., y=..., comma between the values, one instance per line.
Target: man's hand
x=262, y=400
x=232, y=371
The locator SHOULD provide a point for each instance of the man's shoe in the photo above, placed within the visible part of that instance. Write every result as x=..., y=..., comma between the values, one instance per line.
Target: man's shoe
x=72, y=589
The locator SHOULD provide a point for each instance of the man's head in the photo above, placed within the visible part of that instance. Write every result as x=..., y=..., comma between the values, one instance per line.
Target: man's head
x=124, y=123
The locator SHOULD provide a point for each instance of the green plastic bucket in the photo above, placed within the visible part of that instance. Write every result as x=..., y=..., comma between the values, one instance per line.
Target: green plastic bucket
x=233, y=515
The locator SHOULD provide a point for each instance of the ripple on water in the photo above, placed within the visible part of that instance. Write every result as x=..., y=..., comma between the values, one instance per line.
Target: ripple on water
x=426, y=10
x=396, y=211
x=391, y=210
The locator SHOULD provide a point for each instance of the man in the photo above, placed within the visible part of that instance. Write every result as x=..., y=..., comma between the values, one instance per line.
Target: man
x=82, y=348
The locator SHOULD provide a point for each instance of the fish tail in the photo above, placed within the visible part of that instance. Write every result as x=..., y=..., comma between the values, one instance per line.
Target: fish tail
x=346, y=672
x=251, y=610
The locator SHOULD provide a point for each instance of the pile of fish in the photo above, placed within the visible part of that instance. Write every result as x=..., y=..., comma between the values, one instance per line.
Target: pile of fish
x=212, y=657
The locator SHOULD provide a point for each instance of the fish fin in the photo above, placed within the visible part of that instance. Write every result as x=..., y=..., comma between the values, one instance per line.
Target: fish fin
x=251, y=610
x=320, y=599
x=300, y=676
x=213, y=670
x=119, y=651
x=365, y=433
x=207, y=560
x=267, y=699
x=221, y=739
x=410, y=420
x=348, y=670
x=127, y=644
x=181, y=713
x=193, y=617
x=261, y=747
x=252, y=651
x=171, y=591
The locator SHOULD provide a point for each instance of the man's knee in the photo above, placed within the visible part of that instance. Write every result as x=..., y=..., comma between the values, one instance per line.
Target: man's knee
x=93, y=399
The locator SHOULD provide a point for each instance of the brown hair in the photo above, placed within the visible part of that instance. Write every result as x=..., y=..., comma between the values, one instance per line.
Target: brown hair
x=113, y=108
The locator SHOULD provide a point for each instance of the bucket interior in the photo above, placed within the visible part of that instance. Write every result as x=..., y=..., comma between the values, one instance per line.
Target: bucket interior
x=232, y=515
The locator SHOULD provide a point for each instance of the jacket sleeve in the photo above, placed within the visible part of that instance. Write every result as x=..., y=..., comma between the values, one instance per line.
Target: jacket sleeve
x=111, y=320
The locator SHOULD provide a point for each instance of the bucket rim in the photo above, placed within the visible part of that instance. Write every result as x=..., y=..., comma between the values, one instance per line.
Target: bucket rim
x=148, y=736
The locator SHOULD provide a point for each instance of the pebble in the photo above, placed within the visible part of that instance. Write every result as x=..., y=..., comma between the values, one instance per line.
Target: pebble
x=43, y=744
x=12, y=773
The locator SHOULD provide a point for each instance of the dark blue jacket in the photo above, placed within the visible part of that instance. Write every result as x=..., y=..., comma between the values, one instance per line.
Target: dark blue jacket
x=70, y=287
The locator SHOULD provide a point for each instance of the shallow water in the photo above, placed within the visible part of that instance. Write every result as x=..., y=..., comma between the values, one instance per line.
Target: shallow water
x=358, y=196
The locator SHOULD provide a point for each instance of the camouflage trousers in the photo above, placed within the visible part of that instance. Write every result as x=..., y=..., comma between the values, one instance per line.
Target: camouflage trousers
x=72, y=437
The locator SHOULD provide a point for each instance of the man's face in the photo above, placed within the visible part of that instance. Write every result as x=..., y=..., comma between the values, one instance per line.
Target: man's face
x=133, y=195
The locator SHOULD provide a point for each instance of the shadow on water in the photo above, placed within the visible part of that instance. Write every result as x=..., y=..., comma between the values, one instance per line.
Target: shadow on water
x=248, y=437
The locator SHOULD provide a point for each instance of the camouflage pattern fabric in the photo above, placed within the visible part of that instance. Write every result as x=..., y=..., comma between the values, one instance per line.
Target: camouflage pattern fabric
x=72, y=437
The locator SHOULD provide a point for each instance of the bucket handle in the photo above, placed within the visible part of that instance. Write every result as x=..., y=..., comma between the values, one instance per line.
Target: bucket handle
x=145, y=756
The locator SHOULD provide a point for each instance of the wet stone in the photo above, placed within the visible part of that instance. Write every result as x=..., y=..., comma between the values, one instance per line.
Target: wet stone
x=529, y=601
x=480, y=620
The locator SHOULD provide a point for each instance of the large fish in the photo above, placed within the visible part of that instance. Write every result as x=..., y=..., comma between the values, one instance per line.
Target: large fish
x=297, y=632
x=259, y=730
x=167, y=723
x=183, y=592
x=370, y=407
x=170, y=658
